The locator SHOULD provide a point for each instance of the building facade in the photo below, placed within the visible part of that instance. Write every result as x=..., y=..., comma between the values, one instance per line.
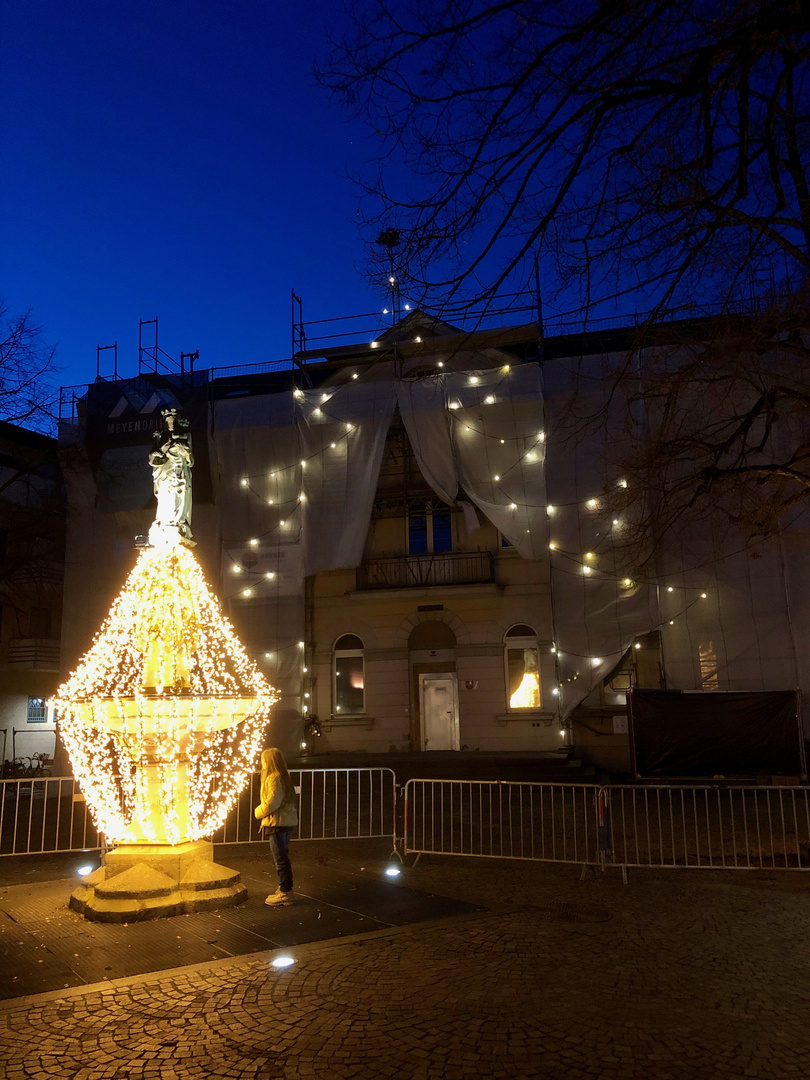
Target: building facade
x=413, y=551
x=32, y=528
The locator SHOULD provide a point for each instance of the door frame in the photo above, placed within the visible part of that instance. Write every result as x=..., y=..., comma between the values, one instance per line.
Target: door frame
x=437, y=676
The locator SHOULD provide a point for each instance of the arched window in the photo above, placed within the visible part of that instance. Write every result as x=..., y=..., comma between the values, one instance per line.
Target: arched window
x=348, y=677
x=521, y=662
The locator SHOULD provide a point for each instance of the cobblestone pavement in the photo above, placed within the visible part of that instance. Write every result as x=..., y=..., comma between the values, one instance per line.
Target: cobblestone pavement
x=673, y=976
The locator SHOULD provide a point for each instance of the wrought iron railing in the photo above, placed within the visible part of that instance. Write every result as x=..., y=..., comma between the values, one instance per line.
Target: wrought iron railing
x=411, y=571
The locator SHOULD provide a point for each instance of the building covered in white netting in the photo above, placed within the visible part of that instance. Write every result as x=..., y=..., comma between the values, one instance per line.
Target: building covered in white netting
x=413, y=546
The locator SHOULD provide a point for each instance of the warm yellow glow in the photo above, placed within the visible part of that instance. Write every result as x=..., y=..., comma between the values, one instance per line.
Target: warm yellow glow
x=165, y=714
x=527, y=695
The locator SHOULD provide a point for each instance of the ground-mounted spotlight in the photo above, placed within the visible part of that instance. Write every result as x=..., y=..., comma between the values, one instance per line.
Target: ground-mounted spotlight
x=83, y=871
x=282, y=961
x=392, y=871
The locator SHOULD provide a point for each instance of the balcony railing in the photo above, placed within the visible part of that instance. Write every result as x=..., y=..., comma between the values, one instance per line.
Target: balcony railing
x=415, y=571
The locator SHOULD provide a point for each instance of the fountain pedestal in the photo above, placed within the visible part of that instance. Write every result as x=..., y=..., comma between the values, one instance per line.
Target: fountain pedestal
x=153, y=881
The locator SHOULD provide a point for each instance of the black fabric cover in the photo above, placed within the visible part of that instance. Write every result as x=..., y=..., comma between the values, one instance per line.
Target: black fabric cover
x=706, y=734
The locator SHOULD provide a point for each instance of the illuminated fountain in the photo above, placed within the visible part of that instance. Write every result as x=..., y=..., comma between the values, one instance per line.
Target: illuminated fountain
x=163, y=720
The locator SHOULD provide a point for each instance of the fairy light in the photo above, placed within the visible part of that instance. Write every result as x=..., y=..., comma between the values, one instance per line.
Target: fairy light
x=354, y=374
x=592, y=504
x=586, y=570
x=489, y=400
x=552, y=546
x=375, y=344
x=473, y=380
x=244, y=481
x=440, y=363
x=167, y=692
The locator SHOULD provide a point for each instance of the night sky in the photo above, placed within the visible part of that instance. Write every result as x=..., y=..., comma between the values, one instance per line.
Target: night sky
x=174, y=158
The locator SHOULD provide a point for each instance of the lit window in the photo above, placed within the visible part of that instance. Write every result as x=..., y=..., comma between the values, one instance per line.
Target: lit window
x=521, y=660
x=431, y=531
x=348, y=676
x=37, y=711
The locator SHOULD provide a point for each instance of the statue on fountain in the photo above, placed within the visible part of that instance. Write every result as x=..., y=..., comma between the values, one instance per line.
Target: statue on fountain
x=172, y=461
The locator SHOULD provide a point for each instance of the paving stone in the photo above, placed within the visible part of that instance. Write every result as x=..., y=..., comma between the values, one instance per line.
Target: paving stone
x=685, y=977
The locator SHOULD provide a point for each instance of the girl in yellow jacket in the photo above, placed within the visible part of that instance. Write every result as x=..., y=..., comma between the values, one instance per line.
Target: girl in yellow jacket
x=278, y=813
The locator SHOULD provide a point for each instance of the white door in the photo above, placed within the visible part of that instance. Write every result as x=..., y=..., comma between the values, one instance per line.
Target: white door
x=438, y=700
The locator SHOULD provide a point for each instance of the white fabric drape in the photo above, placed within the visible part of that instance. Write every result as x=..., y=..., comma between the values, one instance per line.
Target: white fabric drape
x=483, y=431
x=503, y=439
x=256, y=445
x=596, y=616
x=342, y=431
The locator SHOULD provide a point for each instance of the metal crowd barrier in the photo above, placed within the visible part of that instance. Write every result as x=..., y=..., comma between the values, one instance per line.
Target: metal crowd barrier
x=333, y=804
x=45, y=814
x=48, y=814
x=736, y=827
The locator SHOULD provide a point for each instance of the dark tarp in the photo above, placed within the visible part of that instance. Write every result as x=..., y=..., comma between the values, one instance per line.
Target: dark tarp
x=706, y=734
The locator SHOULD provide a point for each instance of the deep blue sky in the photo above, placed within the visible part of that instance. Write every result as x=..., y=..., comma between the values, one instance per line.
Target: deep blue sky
x=174, y=158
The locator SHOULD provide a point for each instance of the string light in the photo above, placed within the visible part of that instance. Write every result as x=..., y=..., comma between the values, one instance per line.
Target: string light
x=166, y=710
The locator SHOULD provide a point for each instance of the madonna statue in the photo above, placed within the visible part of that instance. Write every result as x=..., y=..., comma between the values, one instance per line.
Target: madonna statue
x=172, y=460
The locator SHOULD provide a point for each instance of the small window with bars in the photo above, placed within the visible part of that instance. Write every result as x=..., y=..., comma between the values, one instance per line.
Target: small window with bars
x=37, y=710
